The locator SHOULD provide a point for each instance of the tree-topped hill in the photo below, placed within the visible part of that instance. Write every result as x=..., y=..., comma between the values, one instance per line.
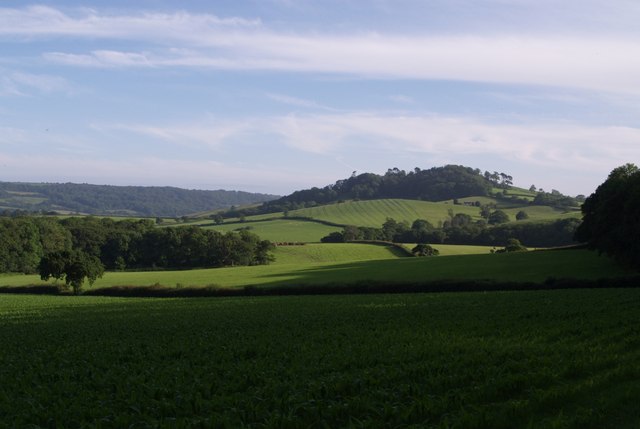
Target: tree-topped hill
x=434, y=184
x=119, y=200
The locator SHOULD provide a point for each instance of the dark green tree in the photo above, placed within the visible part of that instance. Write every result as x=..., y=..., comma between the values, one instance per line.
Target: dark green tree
x=522, y=215
x=73, y=266
x=497, y=217
x=424, y=250
x=610, y=217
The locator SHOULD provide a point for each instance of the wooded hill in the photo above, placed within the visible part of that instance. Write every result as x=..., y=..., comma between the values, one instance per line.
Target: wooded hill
x=119, y=200
x=451, y=182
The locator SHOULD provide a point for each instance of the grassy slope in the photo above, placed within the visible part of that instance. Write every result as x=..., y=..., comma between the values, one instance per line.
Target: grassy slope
x=552, y=359
x=373, y=213
x=525, y=267
x=281, y=230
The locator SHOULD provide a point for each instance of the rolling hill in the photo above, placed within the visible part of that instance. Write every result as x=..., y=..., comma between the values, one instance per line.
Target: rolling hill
x=108, y=200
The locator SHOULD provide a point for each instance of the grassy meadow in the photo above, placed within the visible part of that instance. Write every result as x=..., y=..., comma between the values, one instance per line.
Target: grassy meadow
x=557, y=359
x=300, y=265
x=373, y=213
x=281, y=230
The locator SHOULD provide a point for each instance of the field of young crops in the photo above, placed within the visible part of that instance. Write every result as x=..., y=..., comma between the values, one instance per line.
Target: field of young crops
x=303, y=269
x=564, y=359
x=373, y=213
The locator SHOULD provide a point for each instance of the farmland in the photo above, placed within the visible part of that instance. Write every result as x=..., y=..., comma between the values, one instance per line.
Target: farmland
x=566, y=359
x=300, y=265
x=281, y=230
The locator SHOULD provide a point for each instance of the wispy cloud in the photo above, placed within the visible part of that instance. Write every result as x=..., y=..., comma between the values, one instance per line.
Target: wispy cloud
x=540, y=144
x=18, y=83
x=298, y=102
x=596, y=62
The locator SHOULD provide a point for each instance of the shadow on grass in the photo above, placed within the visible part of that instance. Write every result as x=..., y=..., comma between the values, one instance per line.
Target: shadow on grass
x=503, y=272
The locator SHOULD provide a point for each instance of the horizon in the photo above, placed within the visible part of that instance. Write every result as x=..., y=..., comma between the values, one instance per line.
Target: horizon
x=274, y=96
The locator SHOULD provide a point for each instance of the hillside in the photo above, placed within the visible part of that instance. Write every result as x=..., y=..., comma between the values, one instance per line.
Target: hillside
x=453, y=183
x=119, y=200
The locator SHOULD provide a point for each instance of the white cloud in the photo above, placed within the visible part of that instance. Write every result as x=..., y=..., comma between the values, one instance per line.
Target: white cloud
x=561, y=145
x=16, y=83
x=594, y=61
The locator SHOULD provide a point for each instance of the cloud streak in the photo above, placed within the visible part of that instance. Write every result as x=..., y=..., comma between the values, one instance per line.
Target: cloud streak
x=541, y=144
x=595, y=62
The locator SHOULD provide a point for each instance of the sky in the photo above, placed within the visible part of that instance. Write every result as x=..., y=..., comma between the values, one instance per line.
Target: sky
x=274, y=96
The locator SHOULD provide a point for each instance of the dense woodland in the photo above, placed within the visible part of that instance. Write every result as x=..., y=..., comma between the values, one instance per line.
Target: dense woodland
x=127, y=244
x=119, y=200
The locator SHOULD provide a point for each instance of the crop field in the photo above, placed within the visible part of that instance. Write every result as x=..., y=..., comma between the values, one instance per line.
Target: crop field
x=565, y=359
x=535, y=266
x=373, y=213
x=282, y=230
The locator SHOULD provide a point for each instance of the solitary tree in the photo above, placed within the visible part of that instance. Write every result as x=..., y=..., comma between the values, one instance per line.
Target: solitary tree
x=74, y=266
x=522, y=215
x=497, y=217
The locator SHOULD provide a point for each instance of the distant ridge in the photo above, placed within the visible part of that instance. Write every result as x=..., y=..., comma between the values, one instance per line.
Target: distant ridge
x=120, y=200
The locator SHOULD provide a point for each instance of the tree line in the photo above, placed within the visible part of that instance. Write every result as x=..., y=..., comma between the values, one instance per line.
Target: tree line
x=33, y=244
x=120, y=200
x=461, y=229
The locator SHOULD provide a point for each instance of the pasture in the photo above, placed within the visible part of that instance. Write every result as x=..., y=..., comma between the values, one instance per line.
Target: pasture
x=564, y=359
x=373, y=213
x=281, y=230
x=534, y=266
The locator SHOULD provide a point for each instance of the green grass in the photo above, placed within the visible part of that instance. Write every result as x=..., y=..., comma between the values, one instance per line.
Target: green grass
x=333, y=252
x=557, y=359
x=282, y=230
x=373, y=213
x=524, y=267
x=542, y=213
x=459, y=249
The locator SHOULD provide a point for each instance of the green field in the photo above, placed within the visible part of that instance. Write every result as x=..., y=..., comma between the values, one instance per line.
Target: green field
x=510, y=267
x=556, y=359
x=333, y=252
x=373, y=213
x=281, y=230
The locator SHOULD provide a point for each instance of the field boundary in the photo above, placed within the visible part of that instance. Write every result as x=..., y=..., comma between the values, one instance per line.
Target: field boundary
x=354, y=288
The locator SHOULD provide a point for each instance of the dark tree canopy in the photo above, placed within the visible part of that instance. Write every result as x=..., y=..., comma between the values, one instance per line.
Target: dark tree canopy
x=611, y=214
x=120, y=200
x=434, y=184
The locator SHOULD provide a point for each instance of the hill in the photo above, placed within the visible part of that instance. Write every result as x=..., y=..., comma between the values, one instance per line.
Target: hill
x=453, y=183
x=119, y=200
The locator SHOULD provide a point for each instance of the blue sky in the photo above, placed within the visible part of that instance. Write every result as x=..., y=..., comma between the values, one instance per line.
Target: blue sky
x=278, y=95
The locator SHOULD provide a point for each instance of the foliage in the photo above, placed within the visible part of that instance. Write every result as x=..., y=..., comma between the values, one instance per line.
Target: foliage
x=435, y=184
x=125, y=244
x=522, y=215
x=461, y=229
x=74, y=266
x=24, y=240
x=513, y=245
x=125, y=200
x=424, y=250
x=611, y=216
x=498, y=360
x=497, y=217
